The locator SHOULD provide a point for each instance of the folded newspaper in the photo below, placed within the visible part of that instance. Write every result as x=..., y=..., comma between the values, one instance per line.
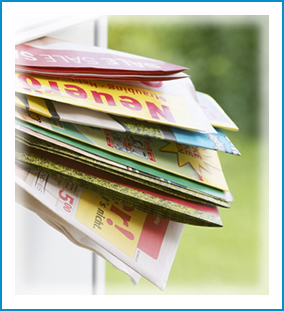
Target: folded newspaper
x=133, y=241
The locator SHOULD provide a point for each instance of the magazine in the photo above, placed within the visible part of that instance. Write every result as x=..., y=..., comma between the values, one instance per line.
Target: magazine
x=39, y=141
x=199, y=164
x=72, y=114
x=125, y=191
x=126, y=163
x=57, y=57
x=175, y=103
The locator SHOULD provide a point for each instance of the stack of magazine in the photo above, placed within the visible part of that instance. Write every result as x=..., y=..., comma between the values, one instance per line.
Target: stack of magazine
x=117, y=151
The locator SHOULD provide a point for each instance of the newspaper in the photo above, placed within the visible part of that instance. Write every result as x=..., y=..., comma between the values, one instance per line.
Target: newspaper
x=129, y=239
x=42, y=209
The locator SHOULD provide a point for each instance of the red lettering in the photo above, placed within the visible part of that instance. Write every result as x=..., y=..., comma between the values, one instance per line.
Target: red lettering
x=180, y=148
x=29, y=81
x=54, y=89
x=98, y=98
x=125, y=219
x=107, y=132
x=132, y=104
x=188, y=152
x=165, y=113
x=197, y=155
x=125, y=232
x=147, y=145
x=151, y=156
x=75, y=91
x=67, y=207
x=31, y=84
x=109, y=142
x=127, y=144
x=66, y=197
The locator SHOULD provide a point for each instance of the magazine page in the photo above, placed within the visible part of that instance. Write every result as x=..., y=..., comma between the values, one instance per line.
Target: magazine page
x=142, y=197
x=37, y=140
x=67, y=113
x=100, y=76
x=201, y=165
x=146, y=243
x=50, y=53
x=77, y=115
x=63, y=150
x=175, y=103
x=139, y=167
x=215, y=114
x=55, y=142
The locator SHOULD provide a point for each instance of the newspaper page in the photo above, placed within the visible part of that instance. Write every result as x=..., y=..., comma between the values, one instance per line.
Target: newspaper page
x=145, y=243
x=41, y=208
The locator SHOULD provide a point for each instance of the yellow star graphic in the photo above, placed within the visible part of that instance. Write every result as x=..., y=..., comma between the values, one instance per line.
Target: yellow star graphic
x=204, y=162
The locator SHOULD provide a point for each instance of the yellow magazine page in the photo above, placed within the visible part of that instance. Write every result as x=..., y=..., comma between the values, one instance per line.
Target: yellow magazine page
x=120, y=99
x=195, y=163
x=43, y=142
x=215, y=114
x=199, y=164
x=67, y=113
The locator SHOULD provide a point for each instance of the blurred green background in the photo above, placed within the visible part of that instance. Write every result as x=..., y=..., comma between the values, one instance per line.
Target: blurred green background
x=228, y=59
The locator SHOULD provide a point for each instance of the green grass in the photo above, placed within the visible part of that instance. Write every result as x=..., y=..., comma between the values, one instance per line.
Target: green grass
x=228, y=260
